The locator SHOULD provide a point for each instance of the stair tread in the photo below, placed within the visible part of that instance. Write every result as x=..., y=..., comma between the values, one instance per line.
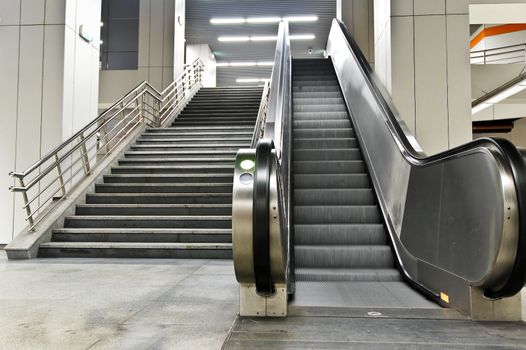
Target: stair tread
x=135, y=245
x=149, y=217
x=144, y=230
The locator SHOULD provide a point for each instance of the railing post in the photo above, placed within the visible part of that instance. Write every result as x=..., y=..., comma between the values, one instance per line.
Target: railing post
x=27, y=205
x=158, y=112
x=106, y=138
x=60, y=176
x=84, y=153
x=142, y=107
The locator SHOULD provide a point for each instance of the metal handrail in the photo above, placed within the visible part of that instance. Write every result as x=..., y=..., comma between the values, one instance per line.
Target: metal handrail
x=488, y=56
x=262, y=115
x=74, y=159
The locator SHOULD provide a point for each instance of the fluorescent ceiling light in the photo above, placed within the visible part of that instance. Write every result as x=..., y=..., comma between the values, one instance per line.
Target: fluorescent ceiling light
x=252, y=80
x=264, y=38
x=227, y=20
x=301, y=18
x=263, y=19
x=222, y=64
x=302, y=37
x=234, y=38
x=265, y=63
x=242, y=64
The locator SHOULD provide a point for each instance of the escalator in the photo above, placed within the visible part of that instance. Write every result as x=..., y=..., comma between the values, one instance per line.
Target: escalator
x=338, y=207
x=337, y=224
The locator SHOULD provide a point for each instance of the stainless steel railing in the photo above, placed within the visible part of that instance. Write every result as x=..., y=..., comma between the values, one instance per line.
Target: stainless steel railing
x=49, y=180
x=262, y=115
x=500, y=55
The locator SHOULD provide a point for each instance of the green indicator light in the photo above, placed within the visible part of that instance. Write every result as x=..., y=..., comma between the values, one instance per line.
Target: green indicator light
x=247, y=164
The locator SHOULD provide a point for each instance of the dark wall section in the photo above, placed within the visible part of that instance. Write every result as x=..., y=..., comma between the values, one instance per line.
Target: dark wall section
x=120, y=34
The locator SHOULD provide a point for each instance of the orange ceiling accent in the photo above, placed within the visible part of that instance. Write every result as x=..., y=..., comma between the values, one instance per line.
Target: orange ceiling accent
x=497, y=30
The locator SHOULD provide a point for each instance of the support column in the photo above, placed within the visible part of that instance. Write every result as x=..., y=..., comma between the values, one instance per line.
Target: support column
x=179, y=37
x=422, y=57
x=49, y=85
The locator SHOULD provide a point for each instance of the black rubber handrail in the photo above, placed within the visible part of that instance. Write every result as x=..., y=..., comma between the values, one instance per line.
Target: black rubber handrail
x=260, y=220
x=511, y=155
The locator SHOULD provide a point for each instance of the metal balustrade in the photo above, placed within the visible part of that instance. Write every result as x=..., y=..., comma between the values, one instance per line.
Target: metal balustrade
x=45, y=183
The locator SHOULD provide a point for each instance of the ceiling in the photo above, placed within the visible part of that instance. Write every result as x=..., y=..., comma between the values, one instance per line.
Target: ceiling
x=199, y=30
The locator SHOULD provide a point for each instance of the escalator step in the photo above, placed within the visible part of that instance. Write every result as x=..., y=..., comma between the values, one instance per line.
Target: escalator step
x=348, y=275
x=351, y=256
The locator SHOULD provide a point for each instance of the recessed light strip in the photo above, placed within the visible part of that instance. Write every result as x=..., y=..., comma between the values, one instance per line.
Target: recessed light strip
x=264, y=38
x=263, y=20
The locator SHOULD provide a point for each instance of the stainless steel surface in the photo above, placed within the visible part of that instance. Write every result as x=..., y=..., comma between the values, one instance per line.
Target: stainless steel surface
x=242, y=203
x=274, y=124
x=262, y=115
x=280, y=89
x=456, y=212
x=48, y=180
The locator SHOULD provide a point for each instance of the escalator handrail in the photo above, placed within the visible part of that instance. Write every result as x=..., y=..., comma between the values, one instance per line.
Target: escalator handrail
x=509, y=153
x=260, y=220
x=273, y=151
x=279, y=89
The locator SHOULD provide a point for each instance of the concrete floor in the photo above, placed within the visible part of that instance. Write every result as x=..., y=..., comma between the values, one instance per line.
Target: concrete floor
x=116, y=304
x=122, y=304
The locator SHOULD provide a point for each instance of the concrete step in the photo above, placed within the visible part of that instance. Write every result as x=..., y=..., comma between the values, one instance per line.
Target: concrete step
x=159, y=198
x=208, y=145
x=153, y=209
x=187, y=151
x=158, y=221
x=219, y=122
x=136, y=250
x=170, y=169
x=203, y=187
x=179, y=161
x=142, y=235
x=232, y=128
x=203, y=133
x=227, y=116
x=176, y=140
x=174, y=152
x=168, y=178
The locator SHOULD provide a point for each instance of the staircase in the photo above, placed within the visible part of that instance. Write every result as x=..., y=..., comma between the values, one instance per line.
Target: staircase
x=339, y=235
x=170, y=196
